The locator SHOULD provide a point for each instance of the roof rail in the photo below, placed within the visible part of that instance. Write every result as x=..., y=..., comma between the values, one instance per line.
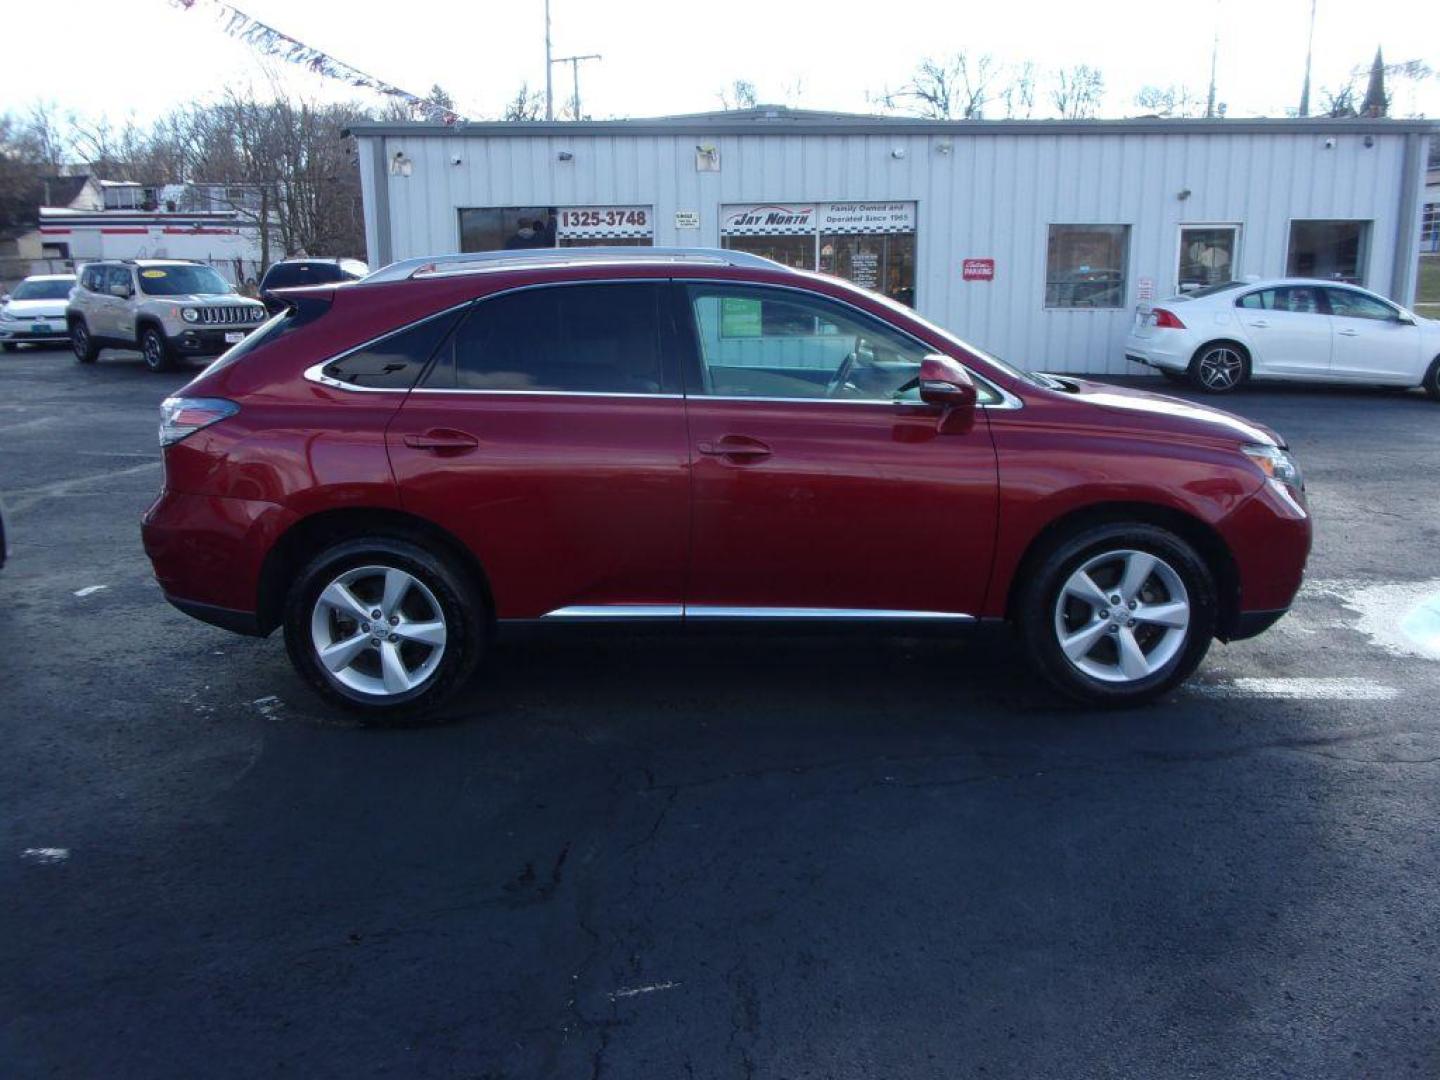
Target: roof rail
x=475, y=261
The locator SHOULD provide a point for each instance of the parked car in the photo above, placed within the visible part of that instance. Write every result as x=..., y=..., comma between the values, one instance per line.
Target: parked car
x=165, y=308
x=291, y=273
x=395, y=469
x=34, y=314
x=1301, y=329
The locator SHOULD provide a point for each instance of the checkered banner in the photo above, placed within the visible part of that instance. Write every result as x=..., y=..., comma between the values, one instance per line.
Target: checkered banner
x=805, y=219
x=768, y=219
x=605, y=223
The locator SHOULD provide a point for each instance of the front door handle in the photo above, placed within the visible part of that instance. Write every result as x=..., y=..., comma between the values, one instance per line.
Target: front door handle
x=1260, y=323
x=442, y=441
x=1348, y=333
x=734, y=446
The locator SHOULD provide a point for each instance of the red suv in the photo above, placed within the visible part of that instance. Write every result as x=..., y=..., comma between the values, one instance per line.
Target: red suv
x=394, y=470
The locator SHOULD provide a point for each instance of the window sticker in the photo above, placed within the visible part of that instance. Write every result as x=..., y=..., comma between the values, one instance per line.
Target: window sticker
x=152, y=273
x=740, y=317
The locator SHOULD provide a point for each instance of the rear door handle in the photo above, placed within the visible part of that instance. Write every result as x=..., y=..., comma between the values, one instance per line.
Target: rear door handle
x=1260, y=322
x=442, y=440
x=734, y=446
x=1348, y=333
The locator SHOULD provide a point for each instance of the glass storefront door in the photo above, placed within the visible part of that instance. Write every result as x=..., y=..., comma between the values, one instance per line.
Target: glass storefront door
x=881, y=262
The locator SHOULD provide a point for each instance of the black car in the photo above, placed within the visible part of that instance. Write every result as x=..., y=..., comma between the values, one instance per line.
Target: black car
x=290, y=273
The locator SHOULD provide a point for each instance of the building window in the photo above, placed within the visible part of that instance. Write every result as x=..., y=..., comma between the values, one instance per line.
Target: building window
x=510, y=228
x=1085, y=266
x=1336, y=250
x=1430, y=227
x=1207, y=256
x=869, y=244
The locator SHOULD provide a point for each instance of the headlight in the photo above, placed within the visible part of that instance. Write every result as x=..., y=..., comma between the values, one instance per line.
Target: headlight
x=1277, y=464
x=189, y=314
x=5, y=314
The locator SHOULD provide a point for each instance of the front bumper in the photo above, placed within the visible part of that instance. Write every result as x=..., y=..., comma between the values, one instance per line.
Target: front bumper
x=1269, y=538
x=208, y=553
x=208, y=341
x=25, y=333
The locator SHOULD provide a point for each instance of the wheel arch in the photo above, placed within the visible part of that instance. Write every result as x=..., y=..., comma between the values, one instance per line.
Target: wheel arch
x=1234, y=343
x=144, y=322
x=1202, y=537
x=311, y=534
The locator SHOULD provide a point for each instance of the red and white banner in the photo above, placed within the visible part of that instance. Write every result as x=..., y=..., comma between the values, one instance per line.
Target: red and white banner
x=977, y=270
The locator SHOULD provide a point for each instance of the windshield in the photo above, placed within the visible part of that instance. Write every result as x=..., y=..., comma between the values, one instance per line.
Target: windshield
x=181, y=281
x=288, y=275
x=42, y=290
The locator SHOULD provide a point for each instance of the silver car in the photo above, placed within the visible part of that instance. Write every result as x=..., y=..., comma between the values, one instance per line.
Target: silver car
x=34, y=314
x=166, y=308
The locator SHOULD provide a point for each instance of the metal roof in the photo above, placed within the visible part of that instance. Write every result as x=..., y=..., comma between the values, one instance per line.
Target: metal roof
x=779, y=120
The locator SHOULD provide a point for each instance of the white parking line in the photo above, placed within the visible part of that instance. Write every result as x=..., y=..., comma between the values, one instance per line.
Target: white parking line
x=45, y=856
x=636, y=991
x=1298, y=689
x=1401, y=617
x=88, y=589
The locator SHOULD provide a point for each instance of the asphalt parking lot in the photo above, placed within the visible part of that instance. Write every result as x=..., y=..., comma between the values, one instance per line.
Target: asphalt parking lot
x=718, y=856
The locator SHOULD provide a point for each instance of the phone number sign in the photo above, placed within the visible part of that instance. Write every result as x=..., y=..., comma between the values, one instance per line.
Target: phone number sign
x=595, y=222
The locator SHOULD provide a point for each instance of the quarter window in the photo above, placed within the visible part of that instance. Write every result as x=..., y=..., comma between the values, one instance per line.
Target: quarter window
x=395, y=361
x=773, y=343
x=1355, y=305
x=602, y=339
x=1086, y=265
x=1336, y=250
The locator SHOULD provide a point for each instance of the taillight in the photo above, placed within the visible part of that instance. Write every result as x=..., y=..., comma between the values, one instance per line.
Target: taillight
x=1166, y=320
x=181, y=417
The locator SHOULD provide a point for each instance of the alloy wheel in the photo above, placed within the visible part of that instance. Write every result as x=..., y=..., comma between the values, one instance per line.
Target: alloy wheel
x=80, y=341
x=1221, y=369
x=1122, y=616
x=378, y=630
x=154, y=351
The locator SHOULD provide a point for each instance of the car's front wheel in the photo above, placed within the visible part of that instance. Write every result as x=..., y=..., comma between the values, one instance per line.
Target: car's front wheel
x=384, y=627
x=155, y=349
x=1432, y=380
x=82, y=343
x=1118, y=614
x=1219, y=368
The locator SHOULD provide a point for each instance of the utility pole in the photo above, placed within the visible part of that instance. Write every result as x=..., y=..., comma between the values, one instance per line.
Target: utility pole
x=1214, y=55
x=1309, y=50
x=549, y=67
x=574, y=62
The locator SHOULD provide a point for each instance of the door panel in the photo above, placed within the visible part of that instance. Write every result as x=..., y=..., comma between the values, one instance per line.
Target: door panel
x=852, y=505
x=1371, y=345
x=1288, y=331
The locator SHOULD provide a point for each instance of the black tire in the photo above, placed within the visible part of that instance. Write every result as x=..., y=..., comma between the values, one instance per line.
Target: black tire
x=155, y=348
x=8, y=346
x=1039, y=616
x=459, y=602
x=81, y=343
x=1432, y=380
x=1219, y=367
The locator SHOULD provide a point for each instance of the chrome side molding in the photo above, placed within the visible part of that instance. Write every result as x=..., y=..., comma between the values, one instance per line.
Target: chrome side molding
x=708, y=612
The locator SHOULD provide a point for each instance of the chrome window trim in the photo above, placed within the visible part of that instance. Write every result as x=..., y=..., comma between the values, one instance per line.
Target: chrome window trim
x=316, y=372
x=547, y=393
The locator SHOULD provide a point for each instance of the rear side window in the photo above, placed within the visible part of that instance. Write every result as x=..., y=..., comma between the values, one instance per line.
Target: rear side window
x=1299, y=299
x=599, y=339
x=395, y=361
x=290, y=275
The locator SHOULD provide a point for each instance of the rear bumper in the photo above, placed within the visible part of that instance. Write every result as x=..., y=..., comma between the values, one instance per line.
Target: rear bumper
x=208, y=551
x=1154, y=352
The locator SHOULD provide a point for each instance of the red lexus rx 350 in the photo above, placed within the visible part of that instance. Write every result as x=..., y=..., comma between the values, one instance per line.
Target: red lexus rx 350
x=395, y=469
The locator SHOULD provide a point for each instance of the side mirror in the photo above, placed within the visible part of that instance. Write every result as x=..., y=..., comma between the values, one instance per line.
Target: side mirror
x=122, y=291
x=946, y=383
x=1405, y=317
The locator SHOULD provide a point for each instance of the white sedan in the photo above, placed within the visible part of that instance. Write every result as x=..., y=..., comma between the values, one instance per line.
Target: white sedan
x=35, y=312
x=1286, y=328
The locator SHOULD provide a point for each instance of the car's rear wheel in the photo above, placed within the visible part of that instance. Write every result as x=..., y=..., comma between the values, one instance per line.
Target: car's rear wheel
x=1219, y=368
x=155, y=349
x=82, y=343
x=1432, y=380
x=1118, y=614
x=384, y=627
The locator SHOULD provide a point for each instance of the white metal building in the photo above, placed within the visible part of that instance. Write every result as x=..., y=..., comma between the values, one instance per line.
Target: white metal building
x=1033, y=239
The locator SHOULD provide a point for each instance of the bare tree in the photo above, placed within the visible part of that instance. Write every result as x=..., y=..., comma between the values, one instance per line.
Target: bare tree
x=1175, y=100
x=525, y=106
x=946, y=89
x=1018, y=96
x=1077, y=92
x=740, y=94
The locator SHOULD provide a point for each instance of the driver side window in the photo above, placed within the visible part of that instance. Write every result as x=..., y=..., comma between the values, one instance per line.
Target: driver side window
x=780, y=343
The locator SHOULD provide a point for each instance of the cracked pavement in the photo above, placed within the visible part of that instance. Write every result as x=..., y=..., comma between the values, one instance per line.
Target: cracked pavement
x=708, y=856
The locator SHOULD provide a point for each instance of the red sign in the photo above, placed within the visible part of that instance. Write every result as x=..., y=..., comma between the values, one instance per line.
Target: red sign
x=978, y=270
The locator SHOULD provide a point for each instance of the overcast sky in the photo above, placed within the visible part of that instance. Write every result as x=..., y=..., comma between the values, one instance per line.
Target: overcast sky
x=141, y=57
